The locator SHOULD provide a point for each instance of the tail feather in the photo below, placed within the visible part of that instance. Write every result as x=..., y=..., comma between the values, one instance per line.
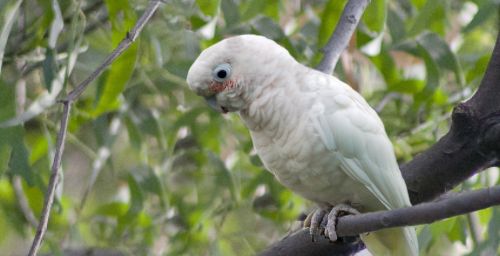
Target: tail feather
x=394, y=241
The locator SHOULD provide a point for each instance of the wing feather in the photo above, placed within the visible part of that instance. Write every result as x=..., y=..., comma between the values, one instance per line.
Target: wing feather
x=354, y=133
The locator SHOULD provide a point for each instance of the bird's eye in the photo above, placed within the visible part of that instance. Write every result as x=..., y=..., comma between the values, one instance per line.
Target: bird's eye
x=221, y=72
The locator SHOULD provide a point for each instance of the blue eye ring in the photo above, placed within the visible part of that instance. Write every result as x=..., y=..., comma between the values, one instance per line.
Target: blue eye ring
x=221, y=72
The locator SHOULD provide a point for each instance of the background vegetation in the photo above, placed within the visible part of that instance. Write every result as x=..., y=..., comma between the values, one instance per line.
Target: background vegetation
x=150, y=169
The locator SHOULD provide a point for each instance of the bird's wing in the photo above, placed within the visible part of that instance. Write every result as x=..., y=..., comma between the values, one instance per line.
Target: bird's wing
x=352, y=130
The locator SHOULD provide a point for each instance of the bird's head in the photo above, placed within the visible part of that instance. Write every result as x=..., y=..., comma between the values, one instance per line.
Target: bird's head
x=229, y=73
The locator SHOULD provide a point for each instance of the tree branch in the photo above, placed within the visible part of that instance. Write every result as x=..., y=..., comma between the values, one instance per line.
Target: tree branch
x=471, y=144
x=449, y=206
x=61, y=136
x=343, y=32
x=424, y=213
x=51, y=187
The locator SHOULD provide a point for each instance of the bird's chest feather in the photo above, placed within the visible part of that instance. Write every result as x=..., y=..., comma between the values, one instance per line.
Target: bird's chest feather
x=300, y=161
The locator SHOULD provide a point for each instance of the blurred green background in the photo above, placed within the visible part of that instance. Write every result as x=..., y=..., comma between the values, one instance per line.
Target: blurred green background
x=149, y=169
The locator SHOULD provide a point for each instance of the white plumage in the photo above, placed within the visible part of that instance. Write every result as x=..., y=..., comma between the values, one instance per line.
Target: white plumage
x=313, y=132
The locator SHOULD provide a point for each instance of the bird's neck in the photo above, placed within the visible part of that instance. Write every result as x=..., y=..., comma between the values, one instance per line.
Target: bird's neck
x=264, y=113
x=272, y=105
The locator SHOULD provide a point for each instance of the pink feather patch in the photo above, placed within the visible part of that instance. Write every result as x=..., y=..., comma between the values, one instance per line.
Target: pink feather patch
x=216, y=87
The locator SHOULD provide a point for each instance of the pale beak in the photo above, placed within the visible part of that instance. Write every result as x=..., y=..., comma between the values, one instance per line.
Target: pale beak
x=212, y=102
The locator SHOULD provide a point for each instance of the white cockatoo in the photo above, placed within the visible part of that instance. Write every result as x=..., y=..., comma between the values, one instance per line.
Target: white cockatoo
x=318, y=136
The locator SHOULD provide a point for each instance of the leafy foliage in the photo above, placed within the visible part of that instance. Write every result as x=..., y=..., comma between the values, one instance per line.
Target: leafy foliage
x=149, y=169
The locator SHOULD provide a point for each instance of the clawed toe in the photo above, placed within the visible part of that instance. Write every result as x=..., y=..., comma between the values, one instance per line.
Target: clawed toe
x=314, y=221
x=336, y=212
x=324, y=222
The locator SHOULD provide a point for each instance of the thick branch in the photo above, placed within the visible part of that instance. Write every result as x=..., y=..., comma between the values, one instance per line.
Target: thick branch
x=343, y=32
x=423, y=213
x=452, y=205
x=61, y=136
x=470, y=146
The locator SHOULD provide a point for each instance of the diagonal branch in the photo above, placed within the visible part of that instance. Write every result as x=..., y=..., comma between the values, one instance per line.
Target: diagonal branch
x=470, y=146
x=351, y=225
x=124, y=44
x=61, y=136
x=338, y=41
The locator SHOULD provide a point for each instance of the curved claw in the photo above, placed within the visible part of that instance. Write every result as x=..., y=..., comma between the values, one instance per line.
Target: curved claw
x=336, y=212
x=314, y=221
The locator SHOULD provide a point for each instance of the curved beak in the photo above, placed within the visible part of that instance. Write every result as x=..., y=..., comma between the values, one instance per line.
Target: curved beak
x=212, y=102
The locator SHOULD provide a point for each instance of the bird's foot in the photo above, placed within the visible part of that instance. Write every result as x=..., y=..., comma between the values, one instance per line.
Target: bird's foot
x=316, y=222
x=337, y=211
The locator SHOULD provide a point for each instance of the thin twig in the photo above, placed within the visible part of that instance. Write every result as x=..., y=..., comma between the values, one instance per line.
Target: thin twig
x=61, y=136
x=338, y=41
x=124, y=44
x=51, y=187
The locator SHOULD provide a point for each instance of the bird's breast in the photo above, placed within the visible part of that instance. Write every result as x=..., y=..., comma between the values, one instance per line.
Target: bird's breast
x=300, y=161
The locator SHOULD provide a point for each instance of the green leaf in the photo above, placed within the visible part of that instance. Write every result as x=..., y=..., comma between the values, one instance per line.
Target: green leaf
x=431, y=16
x=149, y=182
x=432, y=74
x=437, y=56
x=255, y=160
x=7, y=98
x=136, y=197
x=9, y=207
x=231, y=13
x=208, y=7
x=477, y=71
x=113, y=209
x=9, y=15
x=396, y=25
x=268, y=28
x=152, y=183
x=39, y=148
x=411, y=86
x=484, y=13
x=252, y=8
x=442, y=227
x=374, y=16
x=494, y=230
x=49, y=64
x=122, y=19
x=49, y=67
x=224, y=177
x=329, y=19
x=385, y=64
x=424, y=238
x=441, y=53
x=46, y=99
x=5, y=152
x=19, y=158
x=134, y=134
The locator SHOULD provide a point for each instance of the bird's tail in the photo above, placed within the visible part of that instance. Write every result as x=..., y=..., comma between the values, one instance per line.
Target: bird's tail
x=393, y=241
